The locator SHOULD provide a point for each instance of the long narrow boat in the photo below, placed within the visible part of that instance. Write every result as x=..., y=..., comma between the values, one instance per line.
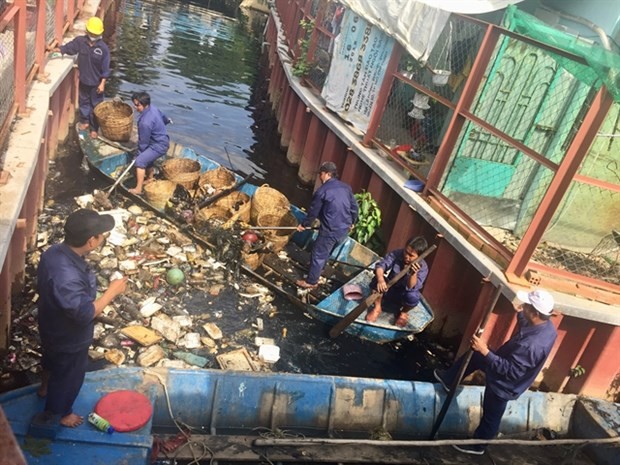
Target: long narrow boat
x=349, y=264
x=239, y=416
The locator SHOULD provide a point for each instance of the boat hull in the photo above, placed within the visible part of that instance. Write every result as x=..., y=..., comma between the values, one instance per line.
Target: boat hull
x=245, y=403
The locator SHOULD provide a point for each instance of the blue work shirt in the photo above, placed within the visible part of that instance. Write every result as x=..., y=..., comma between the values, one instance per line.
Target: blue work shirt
x=93, y=61
x=512, y=369
x=394, y=262
x=152, y=130
x=67, y=289
x=335, y=206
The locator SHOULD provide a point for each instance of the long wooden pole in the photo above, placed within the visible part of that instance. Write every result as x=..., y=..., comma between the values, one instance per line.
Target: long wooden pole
x=465, y=362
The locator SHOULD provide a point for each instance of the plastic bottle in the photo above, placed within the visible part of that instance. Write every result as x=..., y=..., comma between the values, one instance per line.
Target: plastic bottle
x=100, y=423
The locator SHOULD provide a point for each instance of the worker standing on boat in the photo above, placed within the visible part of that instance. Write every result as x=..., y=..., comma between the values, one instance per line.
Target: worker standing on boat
x=511, y=369
x=93, y=68
x=335, y=206
x=407, y=292
x=153, y=140
x=68, y=306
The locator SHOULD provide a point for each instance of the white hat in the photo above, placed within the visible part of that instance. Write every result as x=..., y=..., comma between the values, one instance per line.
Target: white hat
x=539, y=299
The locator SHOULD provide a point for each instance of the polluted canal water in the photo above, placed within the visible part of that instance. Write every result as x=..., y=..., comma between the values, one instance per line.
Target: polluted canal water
x=201, y=68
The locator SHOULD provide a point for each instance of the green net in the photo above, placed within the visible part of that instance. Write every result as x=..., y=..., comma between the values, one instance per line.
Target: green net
x=603, y=66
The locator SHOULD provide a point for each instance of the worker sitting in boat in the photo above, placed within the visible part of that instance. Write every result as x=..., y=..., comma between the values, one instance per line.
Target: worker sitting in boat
x=406, y=293
x=335, y=206
x=153, y=140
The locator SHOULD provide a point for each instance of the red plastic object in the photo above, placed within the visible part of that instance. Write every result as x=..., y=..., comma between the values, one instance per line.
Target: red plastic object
x=401, y=148
x=125, y=410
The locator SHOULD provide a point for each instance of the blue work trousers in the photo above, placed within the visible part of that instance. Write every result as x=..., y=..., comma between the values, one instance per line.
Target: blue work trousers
x=66, y=375
x=493, y=406
x=321, y=250
x=88, y=99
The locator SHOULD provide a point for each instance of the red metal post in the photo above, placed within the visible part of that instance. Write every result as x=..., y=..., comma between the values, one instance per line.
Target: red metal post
x=313, y=149
x=600, y=362
x=40, y=35
x=288, y=119
x=298, y=137
x=561, y=181
x=19, y=42
x=355, y=172
x=404, y=228
x=455, y=126
x=59, y=21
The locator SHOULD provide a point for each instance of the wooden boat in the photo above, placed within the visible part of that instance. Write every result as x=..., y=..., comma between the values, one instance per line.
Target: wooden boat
x=230, y=412
x=327, y=303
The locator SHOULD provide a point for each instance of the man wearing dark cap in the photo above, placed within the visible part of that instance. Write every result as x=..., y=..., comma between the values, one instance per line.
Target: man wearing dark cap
x=335, y=206
x=68, y=306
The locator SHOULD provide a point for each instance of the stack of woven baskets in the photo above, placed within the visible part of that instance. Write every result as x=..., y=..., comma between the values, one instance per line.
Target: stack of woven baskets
x=182, y=171
x=115, y=119
x=271, y=208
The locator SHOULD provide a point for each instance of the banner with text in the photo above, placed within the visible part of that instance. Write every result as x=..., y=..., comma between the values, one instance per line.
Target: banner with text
x=361, y=54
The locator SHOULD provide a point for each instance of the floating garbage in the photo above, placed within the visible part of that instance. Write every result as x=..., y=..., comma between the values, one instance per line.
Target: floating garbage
x=175, y=276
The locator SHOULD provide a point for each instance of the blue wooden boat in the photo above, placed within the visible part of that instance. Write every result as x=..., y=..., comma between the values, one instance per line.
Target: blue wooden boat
x=349, y=260
x=227, y=411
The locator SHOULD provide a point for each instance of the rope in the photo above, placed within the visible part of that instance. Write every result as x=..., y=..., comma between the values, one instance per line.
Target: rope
x=437, y=443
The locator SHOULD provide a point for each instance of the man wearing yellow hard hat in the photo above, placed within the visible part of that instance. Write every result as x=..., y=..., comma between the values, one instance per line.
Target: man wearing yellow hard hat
x=94, y=69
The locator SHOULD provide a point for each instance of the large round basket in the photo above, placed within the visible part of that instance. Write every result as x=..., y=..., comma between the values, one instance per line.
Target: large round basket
x=219, y=179
x=182, y=171
x=267, y=198
x=238, y=204
x=213, y=212
x=158, y=192
x=278, y=237
x=115, y=119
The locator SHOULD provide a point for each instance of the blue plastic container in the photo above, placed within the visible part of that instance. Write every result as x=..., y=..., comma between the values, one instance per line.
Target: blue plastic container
x=415, y=185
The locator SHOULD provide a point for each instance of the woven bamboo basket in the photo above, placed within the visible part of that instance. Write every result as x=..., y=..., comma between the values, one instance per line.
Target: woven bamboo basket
x=115, y=119
x=219, y=179
x=182, y=171
x=158, y=192
x=252, y=260
x=213, y=212
x=239, y=204
x=278, y=237
x=267, y=198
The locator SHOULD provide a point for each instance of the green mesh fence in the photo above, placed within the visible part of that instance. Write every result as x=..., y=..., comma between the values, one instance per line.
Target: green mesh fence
x=604, y=65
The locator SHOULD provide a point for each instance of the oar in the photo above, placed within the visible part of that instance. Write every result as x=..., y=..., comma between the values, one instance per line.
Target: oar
x=463, y=367
x=280, y=228
x=361, y=267
x=361, y=308
x=120, y=178
x=116, y=144
x=224, y=193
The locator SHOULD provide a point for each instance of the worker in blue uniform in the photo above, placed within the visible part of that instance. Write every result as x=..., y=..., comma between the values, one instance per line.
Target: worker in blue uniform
x=153, y=140
x=68, y=306
x=335, y=206
x=93, y=60
x=407, y=292
x=511, y=369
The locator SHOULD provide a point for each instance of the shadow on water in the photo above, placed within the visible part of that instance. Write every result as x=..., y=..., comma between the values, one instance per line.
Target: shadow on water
x=202, y=69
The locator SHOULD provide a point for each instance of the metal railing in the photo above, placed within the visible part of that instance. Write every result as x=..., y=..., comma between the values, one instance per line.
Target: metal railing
x=506, y=137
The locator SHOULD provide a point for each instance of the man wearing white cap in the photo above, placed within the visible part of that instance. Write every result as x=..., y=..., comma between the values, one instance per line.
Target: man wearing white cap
x=511, y=369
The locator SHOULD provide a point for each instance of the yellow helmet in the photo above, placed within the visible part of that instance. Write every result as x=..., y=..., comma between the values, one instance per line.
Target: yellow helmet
x=95, y=26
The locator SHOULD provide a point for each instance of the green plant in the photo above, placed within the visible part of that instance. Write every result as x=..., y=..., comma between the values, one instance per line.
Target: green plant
x=577, y=371
x=302, y=66
x=369, y=219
